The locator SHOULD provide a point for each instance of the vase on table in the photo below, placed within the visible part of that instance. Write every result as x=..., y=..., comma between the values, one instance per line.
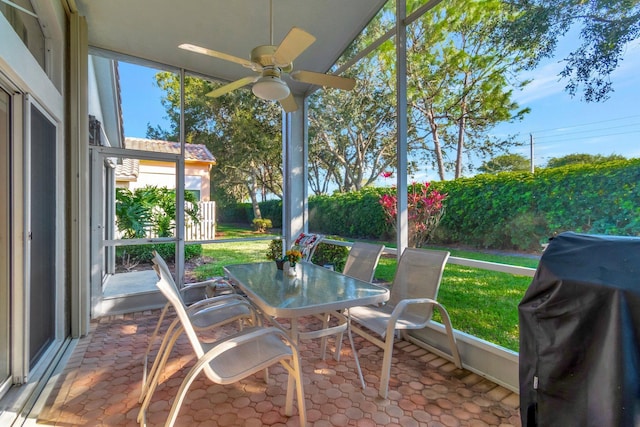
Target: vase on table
x=290, y=269
x=279, y=264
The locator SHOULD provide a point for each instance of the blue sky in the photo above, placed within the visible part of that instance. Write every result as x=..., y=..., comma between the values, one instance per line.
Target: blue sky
x=564, y=125
x=560, y=124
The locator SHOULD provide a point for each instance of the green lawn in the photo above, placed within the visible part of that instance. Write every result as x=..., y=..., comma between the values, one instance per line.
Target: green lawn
x=480, y=302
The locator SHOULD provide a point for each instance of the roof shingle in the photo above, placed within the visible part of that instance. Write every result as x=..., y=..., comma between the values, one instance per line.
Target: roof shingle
x=197, y=152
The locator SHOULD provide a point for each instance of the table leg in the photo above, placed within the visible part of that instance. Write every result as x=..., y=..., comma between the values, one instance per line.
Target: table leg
x=293, y=335
x=353, y=349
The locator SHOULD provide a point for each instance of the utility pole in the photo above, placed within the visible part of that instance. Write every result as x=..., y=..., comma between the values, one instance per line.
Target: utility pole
x=532, y=158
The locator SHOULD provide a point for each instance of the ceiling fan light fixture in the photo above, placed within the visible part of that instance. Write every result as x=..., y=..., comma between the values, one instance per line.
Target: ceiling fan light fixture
x=270, y=88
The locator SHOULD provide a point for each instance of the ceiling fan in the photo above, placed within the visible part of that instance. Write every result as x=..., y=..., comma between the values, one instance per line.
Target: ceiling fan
x=271, y=62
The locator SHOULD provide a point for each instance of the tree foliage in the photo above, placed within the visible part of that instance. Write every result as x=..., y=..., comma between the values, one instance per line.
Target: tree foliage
x=150, y=208
x=351, y=134
x=505, y=163
x=460, y=81
x=606, y=27
x=242, y=132
x=581, y=159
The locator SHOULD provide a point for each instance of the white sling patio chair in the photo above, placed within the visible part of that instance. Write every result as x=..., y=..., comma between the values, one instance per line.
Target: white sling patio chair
x=206, y=314
x=362, y=260
x=307, y=243
x=230, y=359
x=410, y=306
x=361, y=264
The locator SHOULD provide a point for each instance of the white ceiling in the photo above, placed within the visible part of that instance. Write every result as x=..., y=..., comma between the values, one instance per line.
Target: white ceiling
x=153, y=29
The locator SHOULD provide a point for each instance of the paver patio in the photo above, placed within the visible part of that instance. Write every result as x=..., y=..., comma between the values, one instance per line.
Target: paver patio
x=101, y=384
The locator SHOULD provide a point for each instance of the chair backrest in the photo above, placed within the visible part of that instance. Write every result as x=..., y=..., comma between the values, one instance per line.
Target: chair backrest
x=362, y=260
x=418, y=275
x=169, y=289
x=307, y=243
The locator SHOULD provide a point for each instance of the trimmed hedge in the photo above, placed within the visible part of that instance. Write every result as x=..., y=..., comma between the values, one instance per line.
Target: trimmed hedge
x=510, y=210
x=518, y=210
x=144, y=253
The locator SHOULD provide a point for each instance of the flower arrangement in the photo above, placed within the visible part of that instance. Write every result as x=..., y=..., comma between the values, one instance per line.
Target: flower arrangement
x=293, y=256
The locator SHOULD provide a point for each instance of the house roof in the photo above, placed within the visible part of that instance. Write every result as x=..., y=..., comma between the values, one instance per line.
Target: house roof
x=193, y=152
x=128, y=170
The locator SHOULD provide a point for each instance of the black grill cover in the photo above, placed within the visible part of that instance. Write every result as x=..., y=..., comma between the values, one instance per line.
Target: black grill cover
x=580, y=334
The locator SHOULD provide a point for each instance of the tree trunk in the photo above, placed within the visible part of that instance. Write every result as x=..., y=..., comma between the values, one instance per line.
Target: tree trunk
x=461, y=128
x=253, y=187
x=437, y=148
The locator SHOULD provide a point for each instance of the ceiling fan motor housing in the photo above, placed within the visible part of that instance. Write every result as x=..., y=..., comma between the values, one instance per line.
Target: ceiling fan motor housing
x=263, y=55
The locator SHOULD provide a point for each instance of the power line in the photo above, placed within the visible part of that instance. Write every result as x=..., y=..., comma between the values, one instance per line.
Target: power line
x=583, y=124
x=585, y=131
x=592, y=136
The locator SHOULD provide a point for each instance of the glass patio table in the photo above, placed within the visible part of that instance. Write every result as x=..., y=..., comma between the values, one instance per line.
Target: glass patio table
x=314, y=291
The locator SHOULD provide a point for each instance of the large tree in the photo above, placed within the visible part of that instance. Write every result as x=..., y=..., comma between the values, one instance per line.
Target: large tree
x=606, y=27
x=242, y=132
x=351, y=134
x=460, y=81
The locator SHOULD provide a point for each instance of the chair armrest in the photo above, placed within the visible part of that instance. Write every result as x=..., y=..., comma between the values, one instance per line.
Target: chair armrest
x=245, y=336
x=402, y=306
x=219, y=282
x=217, y=301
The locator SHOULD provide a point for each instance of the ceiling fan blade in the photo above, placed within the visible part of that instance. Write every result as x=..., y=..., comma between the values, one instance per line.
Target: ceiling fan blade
x=232, y=86
x=220, y=55
x=294, y=43
x=289, y=104
x=328, y=80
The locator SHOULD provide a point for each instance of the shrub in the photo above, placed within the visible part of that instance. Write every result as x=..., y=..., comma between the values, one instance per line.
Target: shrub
x=327, y=253
x=274, y=251
x=150, y=208
x=425, y=209
x=261, y=225
x=144, y=253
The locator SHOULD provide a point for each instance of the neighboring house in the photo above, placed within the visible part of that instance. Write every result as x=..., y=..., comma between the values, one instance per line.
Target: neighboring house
x=135, y=173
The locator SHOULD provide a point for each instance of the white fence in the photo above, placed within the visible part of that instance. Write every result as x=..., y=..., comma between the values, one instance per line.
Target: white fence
x=205, y=229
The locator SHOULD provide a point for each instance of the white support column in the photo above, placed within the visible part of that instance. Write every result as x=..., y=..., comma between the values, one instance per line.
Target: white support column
x=294, y=161
x=79, y=177
x=402, y=235
x=179, y=259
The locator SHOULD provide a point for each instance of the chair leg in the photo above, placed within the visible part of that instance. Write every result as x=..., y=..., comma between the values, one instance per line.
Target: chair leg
x=148, y=377
x=294, y=380
x=386, y=366
x=302, y=410
x=182, y=392
x=161, y=359
x=446, y=320
x=151, y=341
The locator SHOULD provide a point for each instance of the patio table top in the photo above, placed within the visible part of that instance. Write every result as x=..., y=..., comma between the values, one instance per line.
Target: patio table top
x=313, y=290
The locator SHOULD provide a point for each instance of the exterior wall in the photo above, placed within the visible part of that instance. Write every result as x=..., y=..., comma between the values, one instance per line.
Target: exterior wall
x=164, y=175
x=33, y=88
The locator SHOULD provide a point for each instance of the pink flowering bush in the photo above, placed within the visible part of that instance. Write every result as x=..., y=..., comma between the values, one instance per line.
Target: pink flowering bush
x=425, y=209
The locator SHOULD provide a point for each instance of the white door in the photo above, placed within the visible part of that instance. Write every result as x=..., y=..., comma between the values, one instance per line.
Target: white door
x=5, y=241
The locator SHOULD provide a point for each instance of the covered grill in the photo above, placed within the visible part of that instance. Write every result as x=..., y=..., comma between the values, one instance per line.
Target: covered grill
x=580, y=334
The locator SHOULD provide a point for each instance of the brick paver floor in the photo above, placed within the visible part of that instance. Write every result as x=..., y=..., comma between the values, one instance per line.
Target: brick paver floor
x=100, y=386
